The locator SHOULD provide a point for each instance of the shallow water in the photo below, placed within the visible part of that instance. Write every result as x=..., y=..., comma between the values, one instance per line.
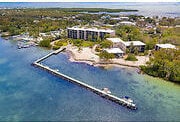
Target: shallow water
x=28, y=93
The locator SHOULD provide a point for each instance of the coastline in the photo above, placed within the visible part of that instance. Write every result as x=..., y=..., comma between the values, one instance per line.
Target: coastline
x=75, y=56
x=108, y=65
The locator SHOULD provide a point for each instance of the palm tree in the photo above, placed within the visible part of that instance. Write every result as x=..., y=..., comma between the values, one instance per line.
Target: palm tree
x=131, y=47
x=136, y=50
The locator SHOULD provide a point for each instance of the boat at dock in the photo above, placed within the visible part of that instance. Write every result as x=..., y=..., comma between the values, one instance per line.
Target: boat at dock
x=106, y=90
x=128, y=99
x=25, y=45
x=131, y=105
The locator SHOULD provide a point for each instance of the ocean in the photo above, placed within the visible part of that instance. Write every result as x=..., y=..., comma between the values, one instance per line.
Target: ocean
x=145, y=9
x=29, y=93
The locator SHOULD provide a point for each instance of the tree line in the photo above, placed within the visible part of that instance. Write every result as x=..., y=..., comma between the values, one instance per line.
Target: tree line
x=164, y=63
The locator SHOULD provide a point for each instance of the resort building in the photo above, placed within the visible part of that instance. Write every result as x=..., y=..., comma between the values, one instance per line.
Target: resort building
x=116, y=51
x=126, y=45
x=89, y=33
x=118, y=43
x=115, y=41
x=165, y=46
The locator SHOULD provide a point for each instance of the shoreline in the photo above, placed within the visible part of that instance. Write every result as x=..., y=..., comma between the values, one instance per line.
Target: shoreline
x=108, y=65
x=72, y=58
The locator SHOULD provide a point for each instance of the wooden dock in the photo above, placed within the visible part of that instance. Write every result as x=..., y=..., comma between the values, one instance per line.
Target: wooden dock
x=99, y=92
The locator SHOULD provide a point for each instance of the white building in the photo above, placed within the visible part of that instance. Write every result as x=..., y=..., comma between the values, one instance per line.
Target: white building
x=120, y=18
x=140, y=45
x=85, y=33
x=165, y=46
x=116, y=51
x=106, y=17
x=115, y=18
x=126, y=23
x=116, y=42
x=177, y=26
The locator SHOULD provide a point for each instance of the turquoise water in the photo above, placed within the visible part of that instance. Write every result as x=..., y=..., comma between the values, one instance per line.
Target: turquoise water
x=28, y=93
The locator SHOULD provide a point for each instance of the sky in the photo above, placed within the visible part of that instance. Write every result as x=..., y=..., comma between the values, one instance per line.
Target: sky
x=89, y=0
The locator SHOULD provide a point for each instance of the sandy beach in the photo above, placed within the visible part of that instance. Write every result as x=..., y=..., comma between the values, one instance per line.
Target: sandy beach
x=88, y=55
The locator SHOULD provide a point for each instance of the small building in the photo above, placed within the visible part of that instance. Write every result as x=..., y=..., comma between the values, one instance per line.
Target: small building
x=177, y=26
x=126, y=23
x=116, y=51
x=28, y=38
x=116, y=42
x=56, y=33
x=165, y=46
x=124, y=18
x=106, y=17
x=126, y=45
x=115, y=18
x=119, y=43
x=120, y=18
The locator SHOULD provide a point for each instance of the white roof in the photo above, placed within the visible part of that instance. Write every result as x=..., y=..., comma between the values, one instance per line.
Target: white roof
x=114, y=50
x=124, y=17
x=166, y=45
x=114, y=40
x=177, y=26
x=127, y=22
x=93, y=29
x=116, y=18
x=135, y=43
x=119, y=18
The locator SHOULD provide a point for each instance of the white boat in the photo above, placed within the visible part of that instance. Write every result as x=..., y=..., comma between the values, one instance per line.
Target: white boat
x=106, y=90
x=128, y=99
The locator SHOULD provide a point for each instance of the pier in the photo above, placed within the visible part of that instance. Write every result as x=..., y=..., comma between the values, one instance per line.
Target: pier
x=99, y=92
x=50, y=54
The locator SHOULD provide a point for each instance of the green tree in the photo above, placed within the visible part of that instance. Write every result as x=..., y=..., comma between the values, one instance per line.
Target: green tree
x=77, y=42
x=128, y=33
x=106, y=56
x=136, y=50
x=89, y=38
x=165, y=63
x=127, y=51
x=45, y=43
x=131, y=47
x=55, y=47
x=131, y=57
x=106, y=44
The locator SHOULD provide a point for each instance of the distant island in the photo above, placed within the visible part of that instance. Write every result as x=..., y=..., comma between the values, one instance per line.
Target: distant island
x=94, y=10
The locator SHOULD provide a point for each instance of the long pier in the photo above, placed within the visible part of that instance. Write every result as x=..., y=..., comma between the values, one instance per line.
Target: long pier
x=99, y=92
x=50, y=54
